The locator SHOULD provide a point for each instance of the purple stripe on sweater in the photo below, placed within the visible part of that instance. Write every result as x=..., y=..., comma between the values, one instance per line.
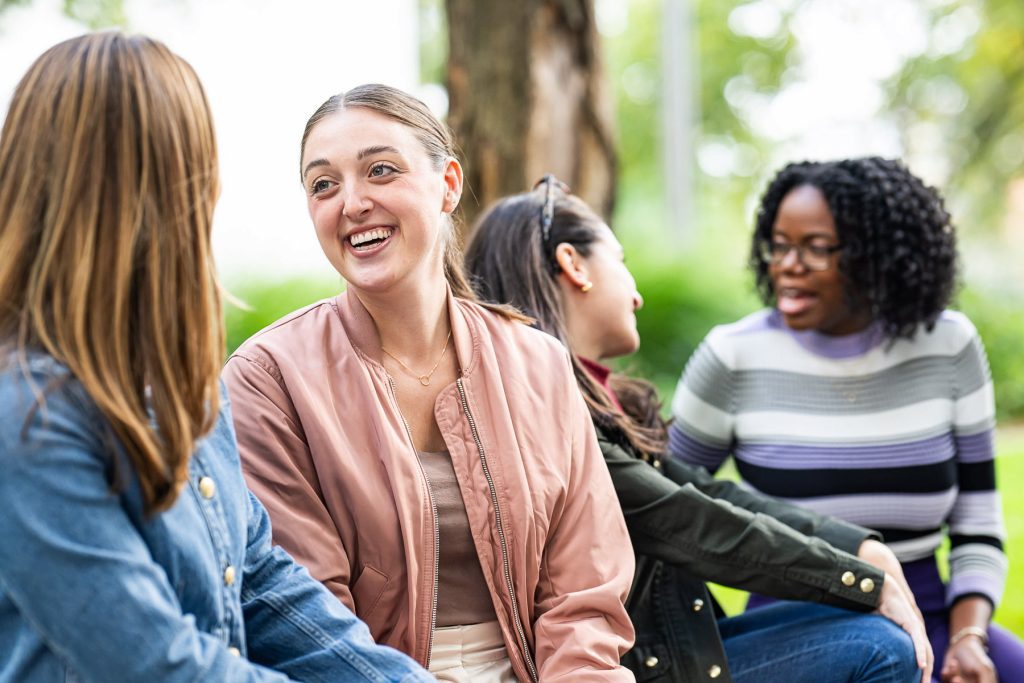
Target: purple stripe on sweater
x=829, y=346
x=785, y=456
x=976, y=447
x=975, y=582
x=684, y=447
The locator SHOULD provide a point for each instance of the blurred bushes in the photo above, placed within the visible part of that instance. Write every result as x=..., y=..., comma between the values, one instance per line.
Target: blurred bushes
x=683, y=299
x=266, y=301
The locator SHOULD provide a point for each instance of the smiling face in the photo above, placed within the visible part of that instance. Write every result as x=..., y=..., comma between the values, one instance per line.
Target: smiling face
x=810, y=299
x=378, y=201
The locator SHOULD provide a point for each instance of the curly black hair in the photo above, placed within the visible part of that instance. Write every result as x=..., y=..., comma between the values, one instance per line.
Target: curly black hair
x=899, y=254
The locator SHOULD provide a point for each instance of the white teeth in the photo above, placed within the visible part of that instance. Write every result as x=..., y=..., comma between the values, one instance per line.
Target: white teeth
x=369, y=236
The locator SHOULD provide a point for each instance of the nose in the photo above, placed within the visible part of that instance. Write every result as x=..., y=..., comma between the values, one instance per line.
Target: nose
x=791, y=261
x=357, y=203
x=638, y=301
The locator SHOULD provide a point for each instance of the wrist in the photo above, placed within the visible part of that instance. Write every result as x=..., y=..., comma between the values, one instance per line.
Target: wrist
x=970, y=632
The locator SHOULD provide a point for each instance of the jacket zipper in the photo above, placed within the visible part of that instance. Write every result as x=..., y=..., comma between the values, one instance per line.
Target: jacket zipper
x=501, y=532
x=437, y=530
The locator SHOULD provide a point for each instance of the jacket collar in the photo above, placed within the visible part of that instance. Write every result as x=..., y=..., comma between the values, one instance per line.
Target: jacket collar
x=362, y=331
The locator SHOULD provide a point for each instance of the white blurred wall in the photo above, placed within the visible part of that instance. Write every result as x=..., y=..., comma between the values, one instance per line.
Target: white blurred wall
x=266, y=65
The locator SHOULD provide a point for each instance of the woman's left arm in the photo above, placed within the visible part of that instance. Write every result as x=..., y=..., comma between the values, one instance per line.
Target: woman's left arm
x=978, y=565
x=296, y=626
x=582, y=629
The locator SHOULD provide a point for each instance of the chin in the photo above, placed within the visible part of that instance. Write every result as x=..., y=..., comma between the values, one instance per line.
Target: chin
x=800, y=323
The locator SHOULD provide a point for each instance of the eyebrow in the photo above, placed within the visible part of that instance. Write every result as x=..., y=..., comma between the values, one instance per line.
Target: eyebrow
x=314, y=164
x=363, y=153
x=376, y=149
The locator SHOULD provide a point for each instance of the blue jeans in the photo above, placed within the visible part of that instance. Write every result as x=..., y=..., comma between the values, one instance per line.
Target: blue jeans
x=789, y=642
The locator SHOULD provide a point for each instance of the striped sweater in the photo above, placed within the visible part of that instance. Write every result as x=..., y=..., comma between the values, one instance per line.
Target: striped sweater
x=892, y=436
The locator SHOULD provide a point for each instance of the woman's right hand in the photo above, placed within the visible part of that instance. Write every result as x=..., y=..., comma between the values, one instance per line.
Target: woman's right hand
x=897, y=604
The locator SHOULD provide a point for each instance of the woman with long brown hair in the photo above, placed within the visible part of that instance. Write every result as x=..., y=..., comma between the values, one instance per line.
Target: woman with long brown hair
x=131, y=549
x=428, y=457
x=548, y=254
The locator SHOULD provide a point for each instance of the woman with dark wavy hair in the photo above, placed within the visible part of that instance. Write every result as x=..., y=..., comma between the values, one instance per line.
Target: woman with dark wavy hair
x=857, y=393
x=547, y=253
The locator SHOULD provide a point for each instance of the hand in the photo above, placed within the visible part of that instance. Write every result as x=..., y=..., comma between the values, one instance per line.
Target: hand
x=878, y=555
x=967, y=662
x=897, y=604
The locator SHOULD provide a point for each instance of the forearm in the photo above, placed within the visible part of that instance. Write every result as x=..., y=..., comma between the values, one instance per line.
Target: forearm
x=837, y=533
x=717, y=540
x=971, y=613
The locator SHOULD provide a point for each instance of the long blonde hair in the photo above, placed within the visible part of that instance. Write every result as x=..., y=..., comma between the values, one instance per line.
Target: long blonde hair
x=108, y=180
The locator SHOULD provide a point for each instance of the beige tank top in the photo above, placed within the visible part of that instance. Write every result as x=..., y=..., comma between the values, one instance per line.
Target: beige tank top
x=462, y=595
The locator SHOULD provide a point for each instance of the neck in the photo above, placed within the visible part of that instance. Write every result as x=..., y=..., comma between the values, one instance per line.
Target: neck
x=412, y=323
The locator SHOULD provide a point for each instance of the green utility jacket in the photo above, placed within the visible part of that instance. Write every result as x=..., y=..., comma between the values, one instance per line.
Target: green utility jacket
x=688, y=527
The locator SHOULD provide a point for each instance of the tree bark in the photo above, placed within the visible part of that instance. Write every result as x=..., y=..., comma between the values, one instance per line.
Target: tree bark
x=527, y=96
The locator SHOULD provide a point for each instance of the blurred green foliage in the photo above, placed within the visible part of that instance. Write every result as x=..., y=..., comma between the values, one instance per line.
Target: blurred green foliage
x=969, y=87
x=260, y=302
x=683, y=299
x=94, y=14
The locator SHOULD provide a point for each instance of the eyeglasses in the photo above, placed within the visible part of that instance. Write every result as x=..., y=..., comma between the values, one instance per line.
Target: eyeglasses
x=812, y=256
x=547, y=214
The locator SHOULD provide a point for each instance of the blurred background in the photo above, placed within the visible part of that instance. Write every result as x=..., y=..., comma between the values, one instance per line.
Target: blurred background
x=668, y=116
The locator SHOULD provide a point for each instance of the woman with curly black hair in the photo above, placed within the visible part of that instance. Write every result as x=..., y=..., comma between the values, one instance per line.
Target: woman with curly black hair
x=858, y=394
x=549, y=255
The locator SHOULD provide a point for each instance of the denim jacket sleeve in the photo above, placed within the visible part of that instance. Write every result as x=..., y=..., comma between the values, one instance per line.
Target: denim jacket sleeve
x=295, y=625
x=76, y=569
x=715, y=539
x=81, y=587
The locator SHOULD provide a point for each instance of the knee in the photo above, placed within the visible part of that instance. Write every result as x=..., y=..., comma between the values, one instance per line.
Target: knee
x=891, y=655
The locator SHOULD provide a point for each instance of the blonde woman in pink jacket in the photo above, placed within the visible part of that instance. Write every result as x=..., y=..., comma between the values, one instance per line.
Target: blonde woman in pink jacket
x=429, y=459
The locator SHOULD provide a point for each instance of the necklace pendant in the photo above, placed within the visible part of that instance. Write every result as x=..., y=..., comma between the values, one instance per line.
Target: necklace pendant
x=424, y=380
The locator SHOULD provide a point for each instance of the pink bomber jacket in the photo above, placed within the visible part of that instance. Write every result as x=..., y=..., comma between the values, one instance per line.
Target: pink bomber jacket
x=326, y=450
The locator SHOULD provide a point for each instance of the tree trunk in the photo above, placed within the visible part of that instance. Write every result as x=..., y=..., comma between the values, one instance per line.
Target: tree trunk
x=527, y=97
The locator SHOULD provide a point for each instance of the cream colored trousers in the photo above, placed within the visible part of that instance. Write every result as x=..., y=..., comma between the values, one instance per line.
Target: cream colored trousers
x=471, y=654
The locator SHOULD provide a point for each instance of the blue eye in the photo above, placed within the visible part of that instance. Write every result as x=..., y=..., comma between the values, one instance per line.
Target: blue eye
x=382, y=170
x=319, y=186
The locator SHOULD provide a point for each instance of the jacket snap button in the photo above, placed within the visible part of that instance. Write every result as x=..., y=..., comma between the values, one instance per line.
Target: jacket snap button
x=207, y=488
x=849, y=579
x=715, y=671
x=229, y=575
x=234, y=652
x=651, y=662
x=698, y=605
x=867, y=585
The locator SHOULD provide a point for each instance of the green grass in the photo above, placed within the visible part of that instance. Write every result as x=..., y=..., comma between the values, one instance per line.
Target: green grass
x=1010, y=472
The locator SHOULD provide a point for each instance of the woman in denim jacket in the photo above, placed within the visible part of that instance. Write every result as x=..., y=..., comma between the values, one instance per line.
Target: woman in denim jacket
x=130, y=549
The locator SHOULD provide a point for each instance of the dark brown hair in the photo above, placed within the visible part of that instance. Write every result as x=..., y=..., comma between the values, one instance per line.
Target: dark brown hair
x=510, y=262
x=108, y=179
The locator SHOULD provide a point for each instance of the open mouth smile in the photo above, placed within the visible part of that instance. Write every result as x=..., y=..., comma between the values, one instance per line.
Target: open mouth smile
x=792, y=301
x=368, y=240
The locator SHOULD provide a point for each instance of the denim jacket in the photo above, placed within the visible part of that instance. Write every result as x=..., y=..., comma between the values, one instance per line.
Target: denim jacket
x=92, y=589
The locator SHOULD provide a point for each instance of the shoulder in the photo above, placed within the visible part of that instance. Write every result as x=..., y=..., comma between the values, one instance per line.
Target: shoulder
x=299, y=332
x=956, y=327
x=513, y=337
x=730, y=342
x=41, y=399
x=952, y=334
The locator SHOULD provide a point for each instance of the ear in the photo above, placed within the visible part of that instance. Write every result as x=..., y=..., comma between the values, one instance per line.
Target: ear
x=573, y=265
x=452, y=178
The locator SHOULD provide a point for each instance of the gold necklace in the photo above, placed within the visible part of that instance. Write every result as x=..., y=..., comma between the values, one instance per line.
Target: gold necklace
x=424, y=379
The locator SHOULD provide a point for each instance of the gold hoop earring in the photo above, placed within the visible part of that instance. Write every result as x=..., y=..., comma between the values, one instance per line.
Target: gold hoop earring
x=587, y=287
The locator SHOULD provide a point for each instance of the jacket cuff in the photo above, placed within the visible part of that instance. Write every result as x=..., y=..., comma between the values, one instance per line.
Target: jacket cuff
x=855, y=585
